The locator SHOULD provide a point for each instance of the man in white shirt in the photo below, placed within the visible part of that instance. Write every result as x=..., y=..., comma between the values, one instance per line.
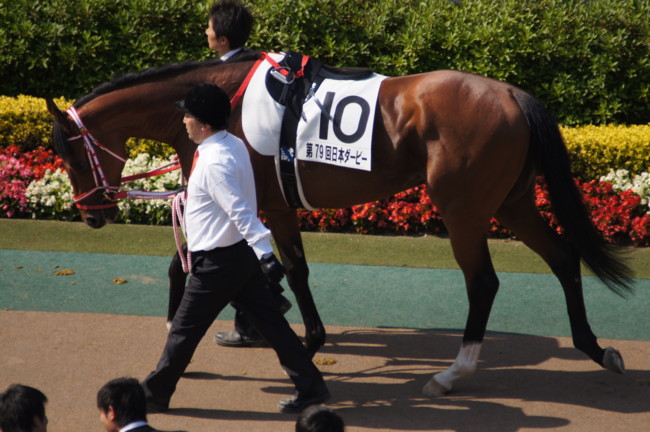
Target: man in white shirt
x=232, y=258
x=122, y=406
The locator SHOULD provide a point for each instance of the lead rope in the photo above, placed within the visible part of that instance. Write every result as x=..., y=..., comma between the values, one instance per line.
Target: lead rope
x=178, y=218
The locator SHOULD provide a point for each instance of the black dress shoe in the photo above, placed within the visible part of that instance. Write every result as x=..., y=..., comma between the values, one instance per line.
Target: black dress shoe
x=297, y=404
x=234, y=339
x=156, y=406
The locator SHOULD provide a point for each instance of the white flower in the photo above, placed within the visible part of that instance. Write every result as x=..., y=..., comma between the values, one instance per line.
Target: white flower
x=621, y=180
x=51, y=197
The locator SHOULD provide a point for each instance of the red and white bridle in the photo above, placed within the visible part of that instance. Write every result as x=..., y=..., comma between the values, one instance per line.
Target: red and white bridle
x=113, y=193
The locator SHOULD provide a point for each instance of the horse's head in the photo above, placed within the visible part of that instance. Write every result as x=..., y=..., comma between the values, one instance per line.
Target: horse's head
x=94, y=167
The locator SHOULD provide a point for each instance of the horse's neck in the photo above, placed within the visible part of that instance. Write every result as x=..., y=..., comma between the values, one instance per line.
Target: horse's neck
x=147, y=110
x=133, y=114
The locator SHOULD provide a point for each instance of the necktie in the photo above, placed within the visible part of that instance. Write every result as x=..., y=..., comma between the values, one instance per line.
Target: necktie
x=196, y=157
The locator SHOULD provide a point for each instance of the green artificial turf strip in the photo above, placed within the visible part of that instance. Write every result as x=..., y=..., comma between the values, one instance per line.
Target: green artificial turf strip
x=397, y=251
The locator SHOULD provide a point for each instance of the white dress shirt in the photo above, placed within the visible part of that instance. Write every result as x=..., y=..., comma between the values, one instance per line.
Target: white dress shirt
x=221, y=207
x=133, y=425
x=230, y=53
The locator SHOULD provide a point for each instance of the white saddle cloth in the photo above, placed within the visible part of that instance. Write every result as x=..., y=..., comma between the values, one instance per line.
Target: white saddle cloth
x=336, y=125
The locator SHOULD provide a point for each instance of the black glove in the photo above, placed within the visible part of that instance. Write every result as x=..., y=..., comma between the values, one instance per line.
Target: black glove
x=272, y=269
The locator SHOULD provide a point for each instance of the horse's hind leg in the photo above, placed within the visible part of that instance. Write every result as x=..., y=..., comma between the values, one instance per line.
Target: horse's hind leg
x=523, y=219
x=469, y=243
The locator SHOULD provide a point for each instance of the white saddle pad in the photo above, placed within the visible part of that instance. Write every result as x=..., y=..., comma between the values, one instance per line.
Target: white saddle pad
x=337, y=123
x=261, y=115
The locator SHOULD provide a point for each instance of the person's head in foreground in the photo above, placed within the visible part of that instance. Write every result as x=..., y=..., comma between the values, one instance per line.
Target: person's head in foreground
x=318, y=418
x=22, y=409
x=121, y=402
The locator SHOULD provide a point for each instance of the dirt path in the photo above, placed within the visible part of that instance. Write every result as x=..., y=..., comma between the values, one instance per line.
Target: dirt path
x=525, y=383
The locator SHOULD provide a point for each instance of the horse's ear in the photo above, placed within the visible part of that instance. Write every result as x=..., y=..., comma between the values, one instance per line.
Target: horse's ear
x=59, y=116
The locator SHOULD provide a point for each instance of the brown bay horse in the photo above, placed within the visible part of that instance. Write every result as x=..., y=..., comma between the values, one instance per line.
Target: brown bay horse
x=476, y=143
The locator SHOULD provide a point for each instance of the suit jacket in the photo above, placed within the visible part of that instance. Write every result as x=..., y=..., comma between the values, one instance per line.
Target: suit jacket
x=145, y=428
x=244, y=53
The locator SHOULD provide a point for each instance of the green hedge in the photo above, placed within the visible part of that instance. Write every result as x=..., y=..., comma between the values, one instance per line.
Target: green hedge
x=67, y=47
x=588, y=61
x=594, y=150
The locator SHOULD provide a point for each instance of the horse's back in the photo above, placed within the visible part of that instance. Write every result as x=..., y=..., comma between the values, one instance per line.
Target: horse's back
x=469, y=131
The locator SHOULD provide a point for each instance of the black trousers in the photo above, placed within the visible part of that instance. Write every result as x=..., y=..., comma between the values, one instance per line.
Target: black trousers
x=177, y=282
x=219, y=277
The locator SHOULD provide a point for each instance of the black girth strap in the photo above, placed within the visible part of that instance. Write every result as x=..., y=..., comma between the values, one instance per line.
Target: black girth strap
x=293, y=95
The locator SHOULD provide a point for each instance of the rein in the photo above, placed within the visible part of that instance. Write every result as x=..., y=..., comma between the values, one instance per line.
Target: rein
x=244, y=85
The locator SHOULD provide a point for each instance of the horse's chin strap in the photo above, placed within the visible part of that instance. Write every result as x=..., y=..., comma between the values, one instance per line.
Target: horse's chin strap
x=112, y=193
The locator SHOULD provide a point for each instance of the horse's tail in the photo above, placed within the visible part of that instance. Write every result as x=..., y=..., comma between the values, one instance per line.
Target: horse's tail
x=550, y=154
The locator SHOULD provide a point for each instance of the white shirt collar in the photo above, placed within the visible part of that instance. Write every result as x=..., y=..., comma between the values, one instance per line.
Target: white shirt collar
x=231, y=53
x=133, y=425
x=215, y=137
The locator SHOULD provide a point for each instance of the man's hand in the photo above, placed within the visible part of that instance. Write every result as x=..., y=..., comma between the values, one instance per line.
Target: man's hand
x=271, y=267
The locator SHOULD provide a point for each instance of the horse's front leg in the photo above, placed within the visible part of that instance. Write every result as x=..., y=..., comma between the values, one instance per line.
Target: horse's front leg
x=286, y=233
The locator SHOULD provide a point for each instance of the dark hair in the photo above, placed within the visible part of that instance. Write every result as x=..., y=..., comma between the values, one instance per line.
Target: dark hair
x=127, y=398
x=209, y=104
x=233, y=20
x=318, y=418
x=19, y=404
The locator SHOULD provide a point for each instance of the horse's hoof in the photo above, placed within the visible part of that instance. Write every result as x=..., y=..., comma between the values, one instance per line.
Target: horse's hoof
x=433, y=388
x=613, y=361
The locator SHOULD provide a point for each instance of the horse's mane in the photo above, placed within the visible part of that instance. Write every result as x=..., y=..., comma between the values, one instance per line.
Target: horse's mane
x=151, y=74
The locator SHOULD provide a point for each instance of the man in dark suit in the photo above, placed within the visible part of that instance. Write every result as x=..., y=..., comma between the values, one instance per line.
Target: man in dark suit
x=122, y=406
x=229, y=26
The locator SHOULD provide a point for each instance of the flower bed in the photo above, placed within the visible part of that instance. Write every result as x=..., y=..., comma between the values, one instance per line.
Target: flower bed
x=50, y=197
x=621, y=215
x=33, y=185
x=17, y=170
